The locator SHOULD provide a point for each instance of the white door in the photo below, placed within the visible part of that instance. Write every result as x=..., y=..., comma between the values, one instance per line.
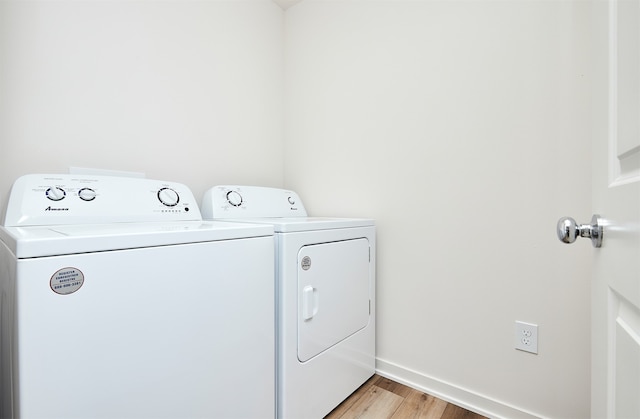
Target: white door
x=333, y=290
x=616, y=197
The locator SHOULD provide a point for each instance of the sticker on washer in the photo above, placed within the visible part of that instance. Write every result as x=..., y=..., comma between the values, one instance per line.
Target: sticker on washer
x=66, y=281
x=306, y=263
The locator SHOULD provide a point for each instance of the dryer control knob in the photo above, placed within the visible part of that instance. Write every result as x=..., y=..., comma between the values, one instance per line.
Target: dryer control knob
x=168, y=197
x=55, y=193
x=234, y=198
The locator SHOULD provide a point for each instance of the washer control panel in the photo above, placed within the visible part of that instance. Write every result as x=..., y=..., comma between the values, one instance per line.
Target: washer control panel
x=233, y=201
x=80, y=199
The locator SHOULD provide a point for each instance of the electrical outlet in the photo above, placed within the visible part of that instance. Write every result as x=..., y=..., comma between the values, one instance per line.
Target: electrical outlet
x=527, y=337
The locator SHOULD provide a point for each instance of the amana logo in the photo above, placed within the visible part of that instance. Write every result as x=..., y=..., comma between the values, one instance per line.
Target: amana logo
x=56, y=209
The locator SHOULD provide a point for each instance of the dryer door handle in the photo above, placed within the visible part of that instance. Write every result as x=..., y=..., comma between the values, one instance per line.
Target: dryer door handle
x=310, y=299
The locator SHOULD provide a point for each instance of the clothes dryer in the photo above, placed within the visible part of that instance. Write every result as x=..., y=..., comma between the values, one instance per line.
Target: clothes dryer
x=118, y=301
x=325, y=274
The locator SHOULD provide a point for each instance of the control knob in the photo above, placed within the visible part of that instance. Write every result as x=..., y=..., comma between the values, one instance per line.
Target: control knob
x=55, y=193
x=87, y=194
x=168, y=197
x=234, y=198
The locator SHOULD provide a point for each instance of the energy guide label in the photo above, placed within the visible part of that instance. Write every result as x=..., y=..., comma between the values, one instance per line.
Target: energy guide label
x=66, y=281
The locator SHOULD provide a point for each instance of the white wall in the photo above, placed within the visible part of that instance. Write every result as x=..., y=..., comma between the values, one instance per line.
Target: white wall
x=462, y=127
x=187, y=91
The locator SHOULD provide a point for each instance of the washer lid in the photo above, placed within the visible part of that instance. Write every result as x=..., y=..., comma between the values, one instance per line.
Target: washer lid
x=37, y=241
x=297, y=224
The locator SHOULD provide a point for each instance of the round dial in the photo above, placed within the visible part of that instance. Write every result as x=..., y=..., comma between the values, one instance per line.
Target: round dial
x=234, y=198
x=168, y=197
x=87, y=194
x=55, y=193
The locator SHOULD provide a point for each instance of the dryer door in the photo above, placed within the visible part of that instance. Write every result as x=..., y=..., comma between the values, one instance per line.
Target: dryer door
x=333, y=294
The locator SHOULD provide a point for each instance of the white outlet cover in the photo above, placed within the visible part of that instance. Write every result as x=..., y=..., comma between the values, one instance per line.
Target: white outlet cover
x=526, y=337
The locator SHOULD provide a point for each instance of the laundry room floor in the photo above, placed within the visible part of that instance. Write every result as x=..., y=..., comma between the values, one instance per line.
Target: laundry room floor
x=381, y=398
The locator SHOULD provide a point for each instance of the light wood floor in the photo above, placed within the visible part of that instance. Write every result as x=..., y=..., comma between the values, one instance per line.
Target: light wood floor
x=381, y=398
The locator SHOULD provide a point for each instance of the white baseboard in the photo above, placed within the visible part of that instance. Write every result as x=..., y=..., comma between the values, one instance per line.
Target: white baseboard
x=452, y=393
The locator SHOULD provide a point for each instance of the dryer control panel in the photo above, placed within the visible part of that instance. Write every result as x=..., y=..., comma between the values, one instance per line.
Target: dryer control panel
x=233, y=201
x=41, y=199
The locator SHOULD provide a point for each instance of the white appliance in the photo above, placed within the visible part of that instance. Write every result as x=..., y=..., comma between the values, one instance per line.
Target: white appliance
x=118, y=301
x=325, y=274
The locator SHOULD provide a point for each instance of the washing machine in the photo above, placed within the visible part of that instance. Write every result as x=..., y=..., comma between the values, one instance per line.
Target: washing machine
x=325, y=275
x=118, y=301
